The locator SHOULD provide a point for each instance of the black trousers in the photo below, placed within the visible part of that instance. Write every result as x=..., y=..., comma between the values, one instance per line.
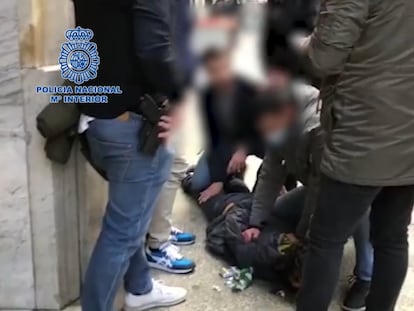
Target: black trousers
x=341, y=206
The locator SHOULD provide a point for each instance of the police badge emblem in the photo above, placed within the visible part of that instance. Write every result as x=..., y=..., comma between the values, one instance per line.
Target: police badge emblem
x=79, y=59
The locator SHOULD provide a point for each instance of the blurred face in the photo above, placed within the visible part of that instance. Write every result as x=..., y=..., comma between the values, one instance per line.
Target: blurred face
x=274, y=126
x=219, y=71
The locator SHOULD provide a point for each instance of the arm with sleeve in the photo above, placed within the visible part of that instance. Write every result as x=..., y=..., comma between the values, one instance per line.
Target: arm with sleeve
x=154, y=48
x=271, y=178
x=338, y=28
x=218, y=154
x=311, y=200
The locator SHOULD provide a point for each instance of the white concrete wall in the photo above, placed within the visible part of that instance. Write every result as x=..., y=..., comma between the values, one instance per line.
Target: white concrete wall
x=53, y=207
x=39, y=202
x=16, y=266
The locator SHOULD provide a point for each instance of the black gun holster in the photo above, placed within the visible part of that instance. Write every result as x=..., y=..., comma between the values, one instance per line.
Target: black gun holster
x=152, y=109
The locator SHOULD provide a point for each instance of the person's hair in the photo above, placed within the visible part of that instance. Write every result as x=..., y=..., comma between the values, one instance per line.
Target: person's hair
x=226, y=8
x=213, y=54
x=270, y=100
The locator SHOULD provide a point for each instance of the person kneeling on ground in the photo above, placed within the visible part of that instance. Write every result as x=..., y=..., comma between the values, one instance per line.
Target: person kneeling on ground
x=295, y=143
x=227, y=110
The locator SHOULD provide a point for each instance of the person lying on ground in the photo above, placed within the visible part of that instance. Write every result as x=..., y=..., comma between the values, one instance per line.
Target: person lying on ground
x=228, y=216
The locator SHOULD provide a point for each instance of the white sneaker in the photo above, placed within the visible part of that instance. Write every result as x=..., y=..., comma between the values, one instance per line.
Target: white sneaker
x=160, y=296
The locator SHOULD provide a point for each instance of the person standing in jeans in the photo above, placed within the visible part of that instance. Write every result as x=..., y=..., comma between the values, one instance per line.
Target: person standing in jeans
x=134, y=43
x=363, y=50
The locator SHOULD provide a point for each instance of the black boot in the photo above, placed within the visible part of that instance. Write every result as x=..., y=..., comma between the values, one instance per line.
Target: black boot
x=356, y=296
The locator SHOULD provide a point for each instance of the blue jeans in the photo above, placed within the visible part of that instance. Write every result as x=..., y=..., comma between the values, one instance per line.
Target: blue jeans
x=135, y=180
x=201, y=178
x=288, y=209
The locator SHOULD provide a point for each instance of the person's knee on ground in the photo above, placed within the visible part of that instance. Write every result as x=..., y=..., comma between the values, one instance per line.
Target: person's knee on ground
x=199, y=184
x=200, y=178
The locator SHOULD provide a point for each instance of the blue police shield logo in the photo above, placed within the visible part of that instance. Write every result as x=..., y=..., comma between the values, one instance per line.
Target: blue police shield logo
x=79, y=59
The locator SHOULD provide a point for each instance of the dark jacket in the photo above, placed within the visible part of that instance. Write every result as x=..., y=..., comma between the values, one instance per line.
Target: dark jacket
x=183, y=28
x=228, y=216
x=134, y=39
x=224, y=237
x=283, y=18
x=364, y=50
x=58, y=123
x=300, y=156
x=244, y=132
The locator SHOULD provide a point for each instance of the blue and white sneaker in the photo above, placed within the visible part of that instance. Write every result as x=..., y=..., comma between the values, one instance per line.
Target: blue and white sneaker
x=168, y=258
x=179, y=237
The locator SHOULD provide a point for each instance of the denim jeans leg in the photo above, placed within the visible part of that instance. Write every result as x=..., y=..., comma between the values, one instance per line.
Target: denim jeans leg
x=363, y=250
x=201, y=178
x=135, y=180
x=133, y=281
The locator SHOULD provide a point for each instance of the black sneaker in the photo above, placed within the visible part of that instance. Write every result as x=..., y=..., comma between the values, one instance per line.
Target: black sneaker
x=356, y=296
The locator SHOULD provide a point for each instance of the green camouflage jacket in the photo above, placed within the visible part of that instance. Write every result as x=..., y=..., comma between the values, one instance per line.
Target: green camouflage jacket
x=364, y=51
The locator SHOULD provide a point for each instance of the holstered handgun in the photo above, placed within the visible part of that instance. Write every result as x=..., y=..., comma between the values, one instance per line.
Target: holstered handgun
x=152, y=109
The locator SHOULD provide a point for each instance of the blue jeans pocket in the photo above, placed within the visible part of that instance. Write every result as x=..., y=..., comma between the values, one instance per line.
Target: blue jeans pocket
x=112, y=157
x=114, y=143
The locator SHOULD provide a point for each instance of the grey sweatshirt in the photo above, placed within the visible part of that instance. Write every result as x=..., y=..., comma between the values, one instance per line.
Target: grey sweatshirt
x=299, y=156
